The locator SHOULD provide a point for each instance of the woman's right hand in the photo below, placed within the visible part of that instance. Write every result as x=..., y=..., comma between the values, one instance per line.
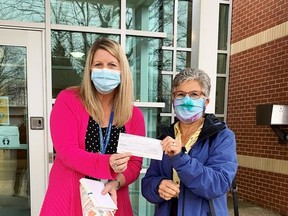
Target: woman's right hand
x=119, y=162
x=110, y=188
x=168, y=189
x=171, y=146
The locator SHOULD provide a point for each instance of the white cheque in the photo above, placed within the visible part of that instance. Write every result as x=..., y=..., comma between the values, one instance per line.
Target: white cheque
x=140, y=146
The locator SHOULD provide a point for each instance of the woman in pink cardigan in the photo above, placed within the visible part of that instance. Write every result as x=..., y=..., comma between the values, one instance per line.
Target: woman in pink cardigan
x=85, y=124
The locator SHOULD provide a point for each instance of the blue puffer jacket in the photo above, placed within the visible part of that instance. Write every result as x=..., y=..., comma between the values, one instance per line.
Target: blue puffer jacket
x=206, y=172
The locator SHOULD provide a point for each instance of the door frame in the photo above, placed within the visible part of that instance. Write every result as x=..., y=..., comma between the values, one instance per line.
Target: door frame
x=33, y=40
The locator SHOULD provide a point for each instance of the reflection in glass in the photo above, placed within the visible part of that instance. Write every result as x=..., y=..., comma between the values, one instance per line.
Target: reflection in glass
x=221, y=63
x=22, y=10
x=221, y=118
x=68, y=57
x=222, y=58
x=144, y=56
x=166, y=93
x=220, y=95
x=223, y=26
x=165, y=121
x=14, y=172
x=168, y=24
x=139, y=204
x=145, y=15
x=152, y=119
x=167, y=60
x=183, y=60
x=184, y=30
x=102, y=14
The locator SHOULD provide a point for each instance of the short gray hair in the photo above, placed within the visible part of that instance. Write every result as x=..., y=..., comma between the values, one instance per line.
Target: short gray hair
x=189, y=74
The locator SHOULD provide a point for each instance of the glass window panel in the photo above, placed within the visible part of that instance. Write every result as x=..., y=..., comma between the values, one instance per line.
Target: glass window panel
x=68, y=57
x=23, y=10
x=220, y=95
x=104, y=14
x=144, y=55
x=221, y=63
x=146, y=162
x=167, y=61
x=223, y=26
x=184, y=30
x=139, y=204
x=165, y=93
x=144, y=15
x=165, y=121
x=221, y=118
x=168, y=21
x=183, y=60
x=152, y=120
x=14, y=171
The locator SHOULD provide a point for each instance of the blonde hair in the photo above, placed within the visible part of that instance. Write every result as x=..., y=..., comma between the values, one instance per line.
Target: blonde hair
x=123, y=100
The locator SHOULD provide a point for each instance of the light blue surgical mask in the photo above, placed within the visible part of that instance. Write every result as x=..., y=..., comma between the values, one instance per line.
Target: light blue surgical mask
x=189, y=110
x=105, y=80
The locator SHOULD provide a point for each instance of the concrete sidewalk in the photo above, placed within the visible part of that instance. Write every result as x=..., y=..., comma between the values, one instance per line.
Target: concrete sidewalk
x=247, y=209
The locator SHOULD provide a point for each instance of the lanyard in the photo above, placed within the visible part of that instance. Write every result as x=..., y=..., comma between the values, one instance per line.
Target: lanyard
x=104, y=142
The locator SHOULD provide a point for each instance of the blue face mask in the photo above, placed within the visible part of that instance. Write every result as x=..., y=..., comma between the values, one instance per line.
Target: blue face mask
x=189, y=110
x=105, y=80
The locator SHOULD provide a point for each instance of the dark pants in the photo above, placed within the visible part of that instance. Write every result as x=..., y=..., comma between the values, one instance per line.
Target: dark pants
x=174, y=207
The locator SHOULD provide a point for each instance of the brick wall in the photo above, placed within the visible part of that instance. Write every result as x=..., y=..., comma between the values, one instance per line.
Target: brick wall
x=259, y=76
x=265, y=189
x=253, y=16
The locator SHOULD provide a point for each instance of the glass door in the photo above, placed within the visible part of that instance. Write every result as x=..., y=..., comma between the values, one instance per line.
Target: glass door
x=22, y=140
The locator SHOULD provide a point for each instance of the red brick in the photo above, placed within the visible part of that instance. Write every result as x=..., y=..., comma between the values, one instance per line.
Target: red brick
x=258, y=76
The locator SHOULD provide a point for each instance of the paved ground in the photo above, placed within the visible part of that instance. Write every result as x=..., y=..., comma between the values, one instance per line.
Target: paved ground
x=247, y=209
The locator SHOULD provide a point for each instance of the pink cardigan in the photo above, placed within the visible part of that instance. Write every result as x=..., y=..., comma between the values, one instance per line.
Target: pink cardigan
x=68, y=124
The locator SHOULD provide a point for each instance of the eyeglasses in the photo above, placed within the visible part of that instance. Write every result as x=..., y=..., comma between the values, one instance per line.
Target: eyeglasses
x=191, y=94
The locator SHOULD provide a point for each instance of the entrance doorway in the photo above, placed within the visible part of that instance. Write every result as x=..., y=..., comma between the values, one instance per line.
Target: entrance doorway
x=22, y=134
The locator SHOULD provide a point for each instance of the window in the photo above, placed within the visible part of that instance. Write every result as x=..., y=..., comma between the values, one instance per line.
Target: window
x=23, y=10
x=222, y=61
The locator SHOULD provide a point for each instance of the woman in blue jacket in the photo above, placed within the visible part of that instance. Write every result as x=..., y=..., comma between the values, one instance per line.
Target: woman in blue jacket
x=199, y=160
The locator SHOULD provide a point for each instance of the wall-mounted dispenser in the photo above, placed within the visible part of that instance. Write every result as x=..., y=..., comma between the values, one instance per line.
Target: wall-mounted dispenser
x=274, y=115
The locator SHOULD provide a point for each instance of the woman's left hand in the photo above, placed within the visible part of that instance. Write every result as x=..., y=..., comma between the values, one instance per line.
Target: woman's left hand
x=171, y=146
x=119, y=161
x=168, y=189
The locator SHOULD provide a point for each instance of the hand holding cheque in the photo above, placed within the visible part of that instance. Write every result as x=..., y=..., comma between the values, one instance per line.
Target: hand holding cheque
x=140, y=146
